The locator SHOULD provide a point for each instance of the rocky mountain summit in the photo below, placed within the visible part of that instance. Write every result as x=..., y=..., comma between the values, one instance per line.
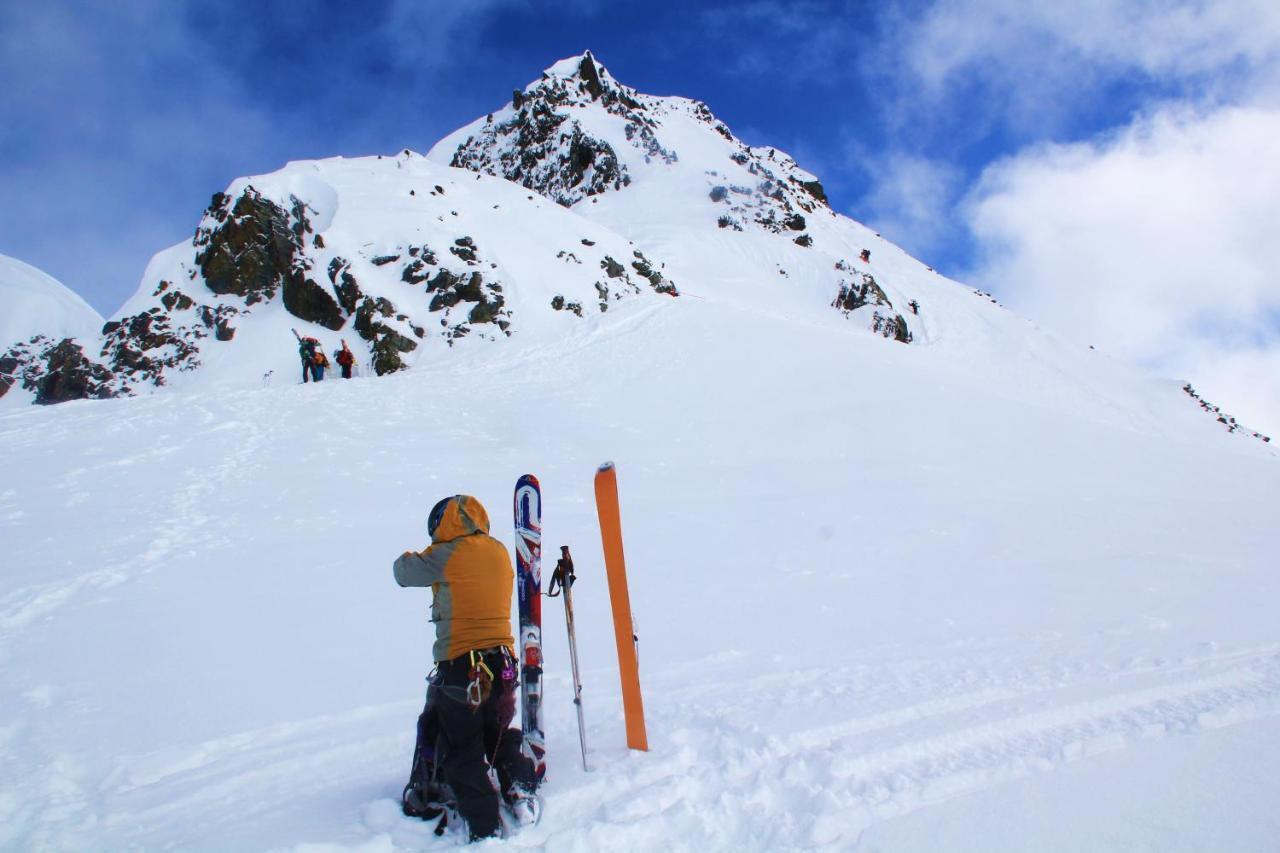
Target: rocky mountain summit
x=666, y=169
x=559, y=137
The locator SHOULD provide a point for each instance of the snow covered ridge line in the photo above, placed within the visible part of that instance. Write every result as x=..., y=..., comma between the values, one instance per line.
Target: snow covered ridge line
x=1226, y=420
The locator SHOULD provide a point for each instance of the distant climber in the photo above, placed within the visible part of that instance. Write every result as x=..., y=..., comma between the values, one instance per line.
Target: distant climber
x=915, y=306
x=307, y=349
x=865, y=256
x=345, y=358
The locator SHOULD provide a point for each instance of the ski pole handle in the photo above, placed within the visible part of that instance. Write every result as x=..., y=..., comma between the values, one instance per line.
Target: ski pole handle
x=565, y=566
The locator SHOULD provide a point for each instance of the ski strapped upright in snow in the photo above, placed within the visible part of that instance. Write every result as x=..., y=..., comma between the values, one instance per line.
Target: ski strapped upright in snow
x=624, y=630
x=563, y=577
x=528, y=519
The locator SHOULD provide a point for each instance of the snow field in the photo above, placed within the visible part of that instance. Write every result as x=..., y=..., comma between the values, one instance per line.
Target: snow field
x=870, y=581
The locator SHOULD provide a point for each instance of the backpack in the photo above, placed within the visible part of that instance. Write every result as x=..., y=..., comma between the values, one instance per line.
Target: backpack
x=321, y=359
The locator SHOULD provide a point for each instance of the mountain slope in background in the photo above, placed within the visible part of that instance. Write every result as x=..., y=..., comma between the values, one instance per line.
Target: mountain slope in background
x=40, y=315
x=36, y=303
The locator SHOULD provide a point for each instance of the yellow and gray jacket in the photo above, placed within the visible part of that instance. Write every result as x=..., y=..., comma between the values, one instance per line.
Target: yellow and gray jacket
x=470, y=576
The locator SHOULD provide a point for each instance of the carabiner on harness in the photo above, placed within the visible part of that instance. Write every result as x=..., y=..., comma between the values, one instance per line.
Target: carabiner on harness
x=481, y=683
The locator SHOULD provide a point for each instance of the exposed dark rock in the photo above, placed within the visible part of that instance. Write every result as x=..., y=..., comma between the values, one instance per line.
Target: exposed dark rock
x=464, y=248
x=795, y=222
x=612, y=268
x=719, y=194
x=383, y=260
x=247, y=246
x=814, y=188
x=70, y=375
x=387, y=343
x=590, y=76
x=444, y=280
x=345, y=286
x=485, y=312
x=176, y=301
x=561, y=305
x=642, y=266
x=804, y=240
x=219, y=320
x=9, y=368
x=348, y=291
x=306, y=300
x=854, y=296
x=55, y=371
x=894, y=327
x=146, y=346
x=415, y=272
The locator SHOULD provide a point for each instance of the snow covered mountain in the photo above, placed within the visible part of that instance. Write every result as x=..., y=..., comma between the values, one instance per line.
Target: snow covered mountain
x=34, y=303
x=38, y=313
x=978, y=589
x=406, y=257
x=403, y=256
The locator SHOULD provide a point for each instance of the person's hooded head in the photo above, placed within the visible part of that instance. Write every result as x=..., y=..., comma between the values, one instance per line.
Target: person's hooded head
x=455, y=517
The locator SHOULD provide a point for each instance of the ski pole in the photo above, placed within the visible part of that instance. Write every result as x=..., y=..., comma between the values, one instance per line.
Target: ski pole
x=563, y=578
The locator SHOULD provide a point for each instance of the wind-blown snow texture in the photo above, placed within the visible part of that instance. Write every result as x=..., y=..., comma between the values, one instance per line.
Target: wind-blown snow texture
x=984, y=591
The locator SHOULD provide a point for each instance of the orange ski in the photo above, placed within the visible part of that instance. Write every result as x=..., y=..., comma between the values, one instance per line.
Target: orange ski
x=623, y=625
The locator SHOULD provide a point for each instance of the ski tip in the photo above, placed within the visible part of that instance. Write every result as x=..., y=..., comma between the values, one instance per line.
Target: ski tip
x=606, y=466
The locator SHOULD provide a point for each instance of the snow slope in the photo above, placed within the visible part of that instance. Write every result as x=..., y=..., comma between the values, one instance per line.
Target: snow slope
x=883, y=592
x=34, y=303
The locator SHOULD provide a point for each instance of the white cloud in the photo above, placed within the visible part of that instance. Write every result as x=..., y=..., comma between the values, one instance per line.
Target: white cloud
x=1032, y=63
x=1158, y=243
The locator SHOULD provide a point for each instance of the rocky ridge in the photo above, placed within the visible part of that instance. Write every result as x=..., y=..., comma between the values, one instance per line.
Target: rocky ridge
x=264, y=246
x=543, y=141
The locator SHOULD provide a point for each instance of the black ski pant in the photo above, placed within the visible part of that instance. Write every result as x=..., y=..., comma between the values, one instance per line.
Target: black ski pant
x=475, y=738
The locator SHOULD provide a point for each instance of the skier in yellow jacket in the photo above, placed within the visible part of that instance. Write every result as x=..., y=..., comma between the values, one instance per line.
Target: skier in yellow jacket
x=471, y=696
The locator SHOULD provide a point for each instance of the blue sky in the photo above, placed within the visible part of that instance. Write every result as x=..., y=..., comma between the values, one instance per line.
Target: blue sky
x=1018, y=147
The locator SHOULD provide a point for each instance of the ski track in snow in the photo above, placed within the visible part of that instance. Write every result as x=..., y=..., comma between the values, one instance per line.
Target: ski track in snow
x=720, y=775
